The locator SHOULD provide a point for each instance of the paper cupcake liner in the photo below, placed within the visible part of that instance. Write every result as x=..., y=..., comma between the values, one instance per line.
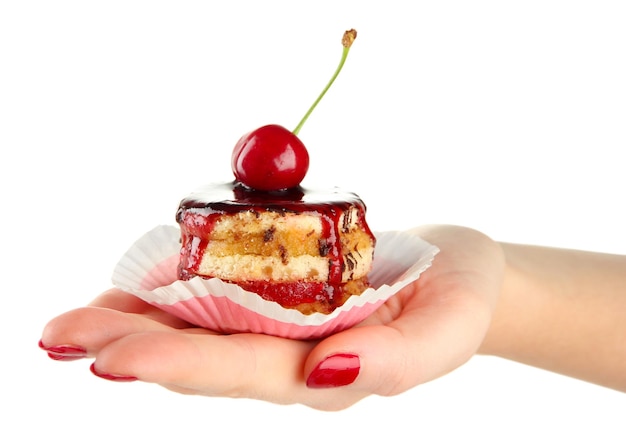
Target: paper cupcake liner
x=148, y=270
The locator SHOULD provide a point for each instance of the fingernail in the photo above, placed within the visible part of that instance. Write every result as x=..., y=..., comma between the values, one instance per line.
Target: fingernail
x=335, y=370
x=113, y=377
x=64, y=352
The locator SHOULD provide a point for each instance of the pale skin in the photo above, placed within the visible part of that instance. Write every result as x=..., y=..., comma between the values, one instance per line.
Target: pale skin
x=556, y=309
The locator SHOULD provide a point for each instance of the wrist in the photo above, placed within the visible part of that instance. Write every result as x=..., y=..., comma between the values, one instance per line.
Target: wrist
x=509, y=318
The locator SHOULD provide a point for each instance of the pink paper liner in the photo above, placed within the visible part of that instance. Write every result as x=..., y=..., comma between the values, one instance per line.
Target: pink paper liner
x=148, y=270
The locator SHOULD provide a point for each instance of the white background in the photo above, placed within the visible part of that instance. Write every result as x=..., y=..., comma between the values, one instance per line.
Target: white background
x=508, y=117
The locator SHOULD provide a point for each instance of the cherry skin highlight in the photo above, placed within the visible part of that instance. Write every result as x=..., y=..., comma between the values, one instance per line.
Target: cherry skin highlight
x=270, y=158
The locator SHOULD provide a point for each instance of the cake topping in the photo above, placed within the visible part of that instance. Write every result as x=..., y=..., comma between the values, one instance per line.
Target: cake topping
x=274, y=158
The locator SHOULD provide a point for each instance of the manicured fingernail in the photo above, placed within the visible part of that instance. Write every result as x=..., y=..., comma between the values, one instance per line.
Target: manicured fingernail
x=64, y=352
x=113, y=377
x=65, y=358
x=335, y=370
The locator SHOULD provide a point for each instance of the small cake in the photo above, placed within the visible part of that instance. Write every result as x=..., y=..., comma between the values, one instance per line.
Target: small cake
x=304, y=249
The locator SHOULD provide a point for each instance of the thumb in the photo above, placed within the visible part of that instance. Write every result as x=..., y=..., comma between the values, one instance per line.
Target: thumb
x=422, y=344
x=368, y=358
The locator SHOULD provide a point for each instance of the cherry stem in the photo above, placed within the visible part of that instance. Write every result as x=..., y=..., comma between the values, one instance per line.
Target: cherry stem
x=346, y=41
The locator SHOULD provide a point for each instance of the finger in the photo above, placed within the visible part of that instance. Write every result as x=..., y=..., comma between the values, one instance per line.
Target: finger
x=125, y=302
x=119, y=300
x=85, y=331
x=240, y=365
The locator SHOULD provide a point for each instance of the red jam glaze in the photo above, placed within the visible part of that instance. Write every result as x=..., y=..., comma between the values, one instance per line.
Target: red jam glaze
x=198, y=212
x=292, y=294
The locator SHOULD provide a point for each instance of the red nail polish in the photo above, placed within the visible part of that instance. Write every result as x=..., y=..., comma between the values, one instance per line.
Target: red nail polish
x=335, y=370
x=65, y=358
x=113, y=377
x=64, y=352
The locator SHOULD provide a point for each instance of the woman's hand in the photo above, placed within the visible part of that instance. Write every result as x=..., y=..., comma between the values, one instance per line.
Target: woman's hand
x=425, y=331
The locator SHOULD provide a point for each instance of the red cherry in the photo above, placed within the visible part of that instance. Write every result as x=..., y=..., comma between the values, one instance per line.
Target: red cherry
x=270, y=158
